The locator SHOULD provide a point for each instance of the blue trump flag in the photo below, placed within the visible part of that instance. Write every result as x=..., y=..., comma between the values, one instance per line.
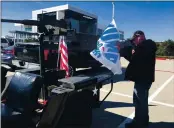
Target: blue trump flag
x=107, y=51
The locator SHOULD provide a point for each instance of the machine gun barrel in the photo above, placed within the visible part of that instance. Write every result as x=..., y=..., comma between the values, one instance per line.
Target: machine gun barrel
x=25, y=22
x=55, y=23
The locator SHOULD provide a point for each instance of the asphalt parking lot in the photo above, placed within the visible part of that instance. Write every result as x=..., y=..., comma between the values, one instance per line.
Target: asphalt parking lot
x=118, y=108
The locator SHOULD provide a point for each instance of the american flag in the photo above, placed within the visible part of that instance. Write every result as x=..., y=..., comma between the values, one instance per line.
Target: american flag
x=63, y=50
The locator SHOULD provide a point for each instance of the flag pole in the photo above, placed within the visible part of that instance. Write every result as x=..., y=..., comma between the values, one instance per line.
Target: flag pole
x=113, y=16
x=113, y=9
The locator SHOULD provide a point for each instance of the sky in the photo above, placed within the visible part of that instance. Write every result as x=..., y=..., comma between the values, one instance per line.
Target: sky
x=156, y=19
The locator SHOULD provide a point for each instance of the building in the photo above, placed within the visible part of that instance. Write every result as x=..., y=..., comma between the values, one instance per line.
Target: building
x=81, y=21
x=24, y=33
x=21, y=36
x=100, y=31
x=121, y=35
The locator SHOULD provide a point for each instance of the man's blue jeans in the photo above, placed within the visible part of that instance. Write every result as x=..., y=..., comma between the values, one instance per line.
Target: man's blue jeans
x=140, y=100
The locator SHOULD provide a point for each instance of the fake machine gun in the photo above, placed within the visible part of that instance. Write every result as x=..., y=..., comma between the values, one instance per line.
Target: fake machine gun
x=46, y=35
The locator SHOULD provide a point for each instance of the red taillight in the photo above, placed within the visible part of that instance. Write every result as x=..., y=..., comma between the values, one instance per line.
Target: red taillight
x=13, y=51
x=46, y=52
x=9, y=51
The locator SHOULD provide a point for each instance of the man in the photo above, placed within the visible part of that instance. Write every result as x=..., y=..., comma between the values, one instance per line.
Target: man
x=141, y=70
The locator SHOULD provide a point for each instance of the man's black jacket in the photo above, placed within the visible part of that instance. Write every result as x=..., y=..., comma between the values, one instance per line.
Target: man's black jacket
x=142, y=63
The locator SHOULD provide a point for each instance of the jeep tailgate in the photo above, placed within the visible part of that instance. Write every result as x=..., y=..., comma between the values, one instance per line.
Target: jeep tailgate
x=28, y=52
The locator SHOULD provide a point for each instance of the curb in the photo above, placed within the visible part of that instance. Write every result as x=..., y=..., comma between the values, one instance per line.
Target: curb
x=160, y=58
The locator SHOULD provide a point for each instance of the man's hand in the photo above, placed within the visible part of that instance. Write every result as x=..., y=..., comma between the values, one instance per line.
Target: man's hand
x=133, y=51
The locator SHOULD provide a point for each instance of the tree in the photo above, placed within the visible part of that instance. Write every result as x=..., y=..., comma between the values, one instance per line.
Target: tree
x=165, y=48
x=170, y=48
x=31, y=40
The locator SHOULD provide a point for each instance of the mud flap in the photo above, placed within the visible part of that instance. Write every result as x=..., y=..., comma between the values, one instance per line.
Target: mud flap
x=68, y=110
x=53, y=111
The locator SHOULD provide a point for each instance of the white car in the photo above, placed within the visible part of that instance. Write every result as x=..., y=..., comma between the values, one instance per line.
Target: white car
x=4, y=43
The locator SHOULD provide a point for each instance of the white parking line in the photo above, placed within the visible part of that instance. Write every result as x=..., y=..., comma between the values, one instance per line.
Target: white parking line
x=128, y=96
x=129, y=119
x=164, y=104
x=116, y=93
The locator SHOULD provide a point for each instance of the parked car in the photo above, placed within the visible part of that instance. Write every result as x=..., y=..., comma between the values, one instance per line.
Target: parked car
x=4, y=43
x=11, y=41
x=7, y=54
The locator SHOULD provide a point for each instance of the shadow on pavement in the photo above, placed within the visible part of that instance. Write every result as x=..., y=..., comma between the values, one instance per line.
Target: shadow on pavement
x=161, y=125
x=110, y=104
x=105, y=119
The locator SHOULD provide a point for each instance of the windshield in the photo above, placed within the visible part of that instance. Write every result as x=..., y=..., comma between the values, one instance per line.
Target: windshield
x=10, y=40
x=3, y=40
x=81, y=23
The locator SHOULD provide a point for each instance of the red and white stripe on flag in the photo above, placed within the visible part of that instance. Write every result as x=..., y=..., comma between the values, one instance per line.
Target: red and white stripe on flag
x=63, y=50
